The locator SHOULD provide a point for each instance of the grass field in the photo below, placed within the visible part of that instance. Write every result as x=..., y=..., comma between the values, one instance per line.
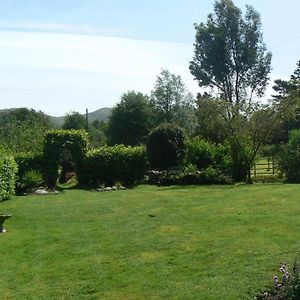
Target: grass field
x=206, y=242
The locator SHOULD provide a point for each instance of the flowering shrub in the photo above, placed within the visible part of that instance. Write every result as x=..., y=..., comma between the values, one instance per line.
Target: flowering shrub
x=286, y=285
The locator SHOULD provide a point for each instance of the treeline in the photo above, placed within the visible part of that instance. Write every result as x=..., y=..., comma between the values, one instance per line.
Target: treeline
x=214, y=138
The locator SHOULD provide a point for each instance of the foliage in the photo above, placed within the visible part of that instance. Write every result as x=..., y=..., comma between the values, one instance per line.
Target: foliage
x=188, y=176
x=25, y=115
x=289, y=157
x=108, y=165
x=8, y=169
x=230, y=54
x=210, y=125
x=31, y=180
x=24, y=136
x=131, y=120
x=204, y=154
x=27, y=164
x=231, y=58
x=58, y=142
x=97, y=134
x=165, y=147
x=271, y=178
x=173, y=103
x=288, y=91
x=74, y=120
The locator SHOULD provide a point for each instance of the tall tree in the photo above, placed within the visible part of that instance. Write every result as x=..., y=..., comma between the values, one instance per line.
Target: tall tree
x=74, y=120
x=230, y=55
x=231, y=59
x=131, y=120
x=174, y=104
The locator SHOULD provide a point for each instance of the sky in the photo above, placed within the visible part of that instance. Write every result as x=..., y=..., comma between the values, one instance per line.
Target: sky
x=59, y=56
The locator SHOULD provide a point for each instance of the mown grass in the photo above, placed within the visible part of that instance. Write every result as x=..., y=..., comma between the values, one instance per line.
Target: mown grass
x=206, y=242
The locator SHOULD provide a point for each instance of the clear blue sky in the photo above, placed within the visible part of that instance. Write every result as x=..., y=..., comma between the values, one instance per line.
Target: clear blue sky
x=63, y=55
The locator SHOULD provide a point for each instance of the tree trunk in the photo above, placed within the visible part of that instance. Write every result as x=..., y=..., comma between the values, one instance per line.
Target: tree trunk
x=249, y=179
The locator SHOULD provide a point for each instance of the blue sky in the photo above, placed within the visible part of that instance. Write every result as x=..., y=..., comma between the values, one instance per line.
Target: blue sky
x=62, y=55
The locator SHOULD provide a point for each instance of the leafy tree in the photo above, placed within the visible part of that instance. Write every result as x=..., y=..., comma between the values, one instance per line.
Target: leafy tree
x=174, y=104
x=22, y=129
x=231, y=58
x=74, y=120
x=97, y=134
x=131, y=120
x=25, y=115
x=230, y=55
x=165, y=147
x=288, y=91
x=210, y=125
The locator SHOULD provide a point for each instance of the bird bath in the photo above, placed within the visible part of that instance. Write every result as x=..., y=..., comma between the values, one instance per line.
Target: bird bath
x=3, y=217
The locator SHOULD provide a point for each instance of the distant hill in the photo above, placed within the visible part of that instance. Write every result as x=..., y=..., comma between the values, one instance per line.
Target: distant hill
x=101, y=114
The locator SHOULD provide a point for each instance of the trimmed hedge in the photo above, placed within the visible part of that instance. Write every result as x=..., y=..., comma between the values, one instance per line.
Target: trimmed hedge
x=108, y=165
x=8, y=169
x=56, y=142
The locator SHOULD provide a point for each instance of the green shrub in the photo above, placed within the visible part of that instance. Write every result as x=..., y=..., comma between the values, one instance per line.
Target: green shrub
x=267, y=178
x=108, y=165
x=205, y=154
x=27, y=163
x=165, y=147
x=289, y=158
x=8, y=169
x=31, y=180
x=188, y=177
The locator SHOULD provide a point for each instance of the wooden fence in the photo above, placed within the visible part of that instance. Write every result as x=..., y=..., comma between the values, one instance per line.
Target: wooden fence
x=265, y=167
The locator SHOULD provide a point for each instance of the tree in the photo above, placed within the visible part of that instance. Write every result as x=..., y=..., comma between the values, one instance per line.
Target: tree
x=230, y=54
x=174, y=104
x=288, y=91
x=22, y=130
x=231, y=58
x=165, y=147
x=131, y=120
x=27, y=115
x=210, y=125
x=74, y=120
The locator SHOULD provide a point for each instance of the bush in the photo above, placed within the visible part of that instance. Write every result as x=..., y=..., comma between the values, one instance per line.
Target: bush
x=289, y=158
x=205, y=154
x=28, y=163
x=188, y=176
x=108, y=165
x=30, y=181
x=8, y=169
x=266, y=178
x=165, y=147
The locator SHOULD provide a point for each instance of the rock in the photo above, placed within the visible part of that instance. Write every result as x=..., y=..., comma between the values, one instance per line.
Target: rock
x=41, y=192
x=108, y=189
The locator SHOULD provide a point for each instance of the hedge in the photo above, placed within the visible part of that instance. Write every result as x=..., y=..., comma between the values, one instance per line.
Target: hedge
x=8, y=169
x=108, y=165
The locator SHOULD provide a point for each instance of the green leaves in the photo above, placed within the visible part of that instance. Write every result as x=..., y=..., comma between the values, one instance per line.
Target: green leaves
x=8, y=169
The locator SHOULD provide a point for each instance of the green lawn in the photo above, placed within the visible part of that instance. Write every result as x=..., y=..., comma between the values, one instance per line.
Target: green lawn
x=206, y=242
